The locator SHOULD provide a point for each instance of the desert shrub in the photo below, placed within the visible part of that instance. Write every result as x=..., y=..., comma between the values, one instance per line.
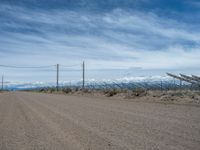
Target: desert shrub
x=167, y=98
x=139, y=92
x=177, y=94
x=42, y=90
x=51, y=90
x=111, y=92
x=67, y=90
x=76, y=89
x=86, y=91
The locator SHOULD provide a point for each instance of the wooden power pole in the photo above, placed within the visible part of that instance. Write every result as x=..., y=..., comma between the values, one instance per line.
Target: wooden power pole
x=57, y=81
x=2, y=82
x=83, y=86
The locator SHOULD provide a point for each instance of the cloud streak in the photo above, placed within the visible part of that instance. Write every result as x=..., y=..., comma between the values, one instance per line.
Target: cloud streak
x=119, y=38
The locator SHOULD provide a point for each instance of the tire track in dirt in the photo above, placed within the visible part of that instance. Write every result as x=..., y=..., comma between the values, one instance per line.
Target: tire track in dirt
x=7, y=127
x=96, y=131
x=54, y=137
x=77, y=131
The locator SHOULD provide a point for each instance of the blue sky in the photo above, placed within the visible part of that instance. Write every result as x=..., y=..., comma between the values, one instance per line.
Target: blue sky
x=107, y=34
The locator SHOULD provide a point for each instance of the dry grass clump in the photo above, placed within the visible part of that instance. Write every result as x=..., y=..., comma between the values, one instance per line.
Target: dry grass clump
x=80, y=91
x=66, y=90
x=125, y=93
x=86, y=90
x=47, y=90
x=180, y=96
x=136, y=92
x=111, y=92
x=139, y=92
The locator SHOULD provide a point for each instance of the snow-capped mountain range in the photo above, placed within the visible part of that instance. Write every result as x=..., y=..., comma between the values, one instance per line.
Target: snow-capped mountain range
x=31, y=85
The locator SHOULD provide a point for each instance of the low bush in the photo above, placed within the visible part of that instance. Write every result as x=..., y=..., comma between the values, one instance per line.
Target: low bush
x=139, y=92
x=111, y=92
x=67, y=90
x=86, y=91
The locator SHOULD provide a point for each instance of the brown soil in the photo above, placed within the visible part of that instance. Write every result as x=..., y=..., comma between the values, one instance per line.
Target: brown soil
x=36, y=121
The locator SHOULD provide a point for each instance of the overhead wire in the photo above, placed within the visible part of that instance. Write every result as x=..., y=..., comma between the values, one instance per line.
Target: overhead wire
x=68, y=66
x=26, y=67
x=36, y=67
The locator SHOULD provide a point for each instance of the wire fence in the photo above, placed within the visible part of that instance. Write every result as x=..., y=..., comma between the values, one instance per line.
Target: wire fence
x=76, y=76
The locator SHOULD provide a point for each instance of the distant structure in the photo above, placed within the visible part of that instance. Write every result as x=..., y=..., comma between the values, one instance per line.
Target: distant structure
x=194, y=80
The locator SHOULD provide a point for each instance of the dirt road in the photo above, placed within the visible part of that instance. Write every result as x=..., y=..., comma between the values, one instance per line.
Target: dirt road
x=34, y=121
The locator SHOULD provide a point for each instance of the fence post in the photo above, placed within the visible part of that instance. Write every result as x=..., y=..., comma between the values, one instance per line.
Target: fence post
x=83, y=86
x=57, y=82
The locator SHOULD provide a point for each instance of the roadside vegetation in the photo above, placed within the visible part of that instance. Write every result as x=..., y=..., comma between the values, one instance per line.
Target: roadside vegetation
x=169, y=96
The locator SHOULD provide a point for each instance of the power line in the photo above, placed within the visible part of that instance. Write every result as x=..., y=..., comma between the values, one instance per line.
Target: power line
x=68, y=66
x=35, y=67
x=26, y=67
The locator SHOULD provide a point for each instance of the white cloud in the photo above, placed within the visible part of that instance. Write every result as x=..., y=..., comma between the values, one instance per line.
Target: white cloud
x=118, y=39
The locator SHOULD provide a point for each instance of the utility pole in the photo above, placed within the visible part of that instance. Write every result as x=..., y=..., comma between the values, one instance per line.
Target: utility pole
x=57, y=82
x=174, y=84
x=180, y=84
x=83, y=86
x=2, y=82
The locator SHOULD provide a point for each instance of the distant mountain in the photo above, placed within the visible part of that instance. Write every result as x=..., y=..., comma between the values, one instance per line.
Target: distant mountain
x=88, y=82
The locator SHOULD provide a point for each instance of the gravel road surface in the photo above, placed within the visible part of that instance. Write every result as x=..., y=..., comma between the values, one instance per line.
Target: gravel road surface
x=36, y=121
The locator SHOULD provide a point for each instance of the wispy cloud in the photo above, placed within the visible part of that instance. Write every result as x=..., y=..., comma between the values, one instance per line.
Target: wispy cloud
x=116, y=39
